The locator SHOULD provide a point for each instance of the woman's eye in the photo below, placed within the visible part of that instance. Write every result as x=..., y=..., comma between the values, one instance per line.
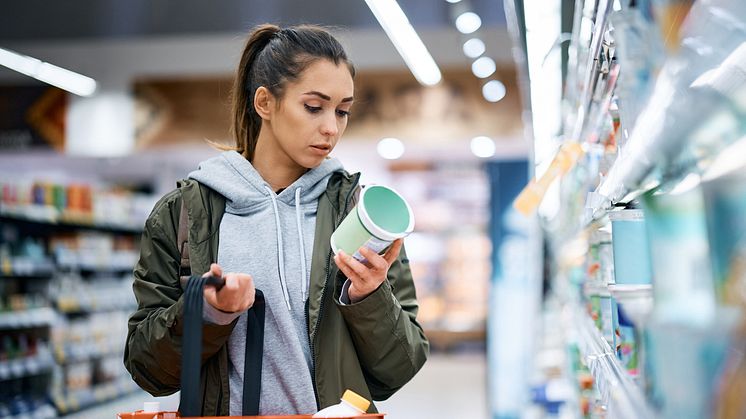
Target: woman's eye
x=312, y=109
x=343, y=113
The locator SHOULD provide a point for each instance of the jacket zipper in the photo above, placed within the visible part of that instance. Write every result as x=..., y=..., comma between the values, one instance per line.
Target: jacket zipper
x=323, y=291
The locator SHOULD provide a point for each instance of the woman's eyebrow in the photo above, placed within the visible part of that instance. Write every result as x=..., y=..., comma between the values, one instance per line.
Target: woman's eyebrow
x=326, y=97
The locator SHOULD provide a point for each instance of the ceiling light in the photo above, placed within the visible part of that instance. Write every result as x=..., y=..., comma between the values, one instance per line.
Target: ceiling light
x=56, y=76
x=483, y=67
x=453, y=1
x=493, y=91
x=483, y=146
x=390, y=148
x=474, y=47
x=396, y=25
x=468, y=22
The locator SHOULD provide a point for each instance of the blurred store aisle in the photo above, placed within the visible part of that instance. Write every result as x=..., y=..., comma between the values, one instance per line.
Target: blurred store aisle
x=449, y=386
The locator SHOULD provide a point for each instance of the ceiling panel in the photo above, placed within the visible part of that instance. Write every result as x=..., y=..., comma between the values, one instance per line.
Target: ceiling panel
x=38, y=20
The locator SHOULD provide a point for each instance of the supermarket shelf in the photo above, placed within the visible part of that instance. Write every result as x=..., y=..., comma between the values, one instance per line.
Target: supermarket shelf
x=39, y=410
x=80, y=400
x=78, y=306
x=26, y=268
x=623, y=398
x=109, y=409
x=35, y=317
x=88, y=270
x=27, y=366
x=71, y=354
x=46, y=216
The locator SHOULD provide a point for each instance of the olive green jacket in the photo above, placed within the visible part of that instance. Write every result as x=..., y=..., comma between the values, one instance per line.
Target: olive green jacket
x=373, y=347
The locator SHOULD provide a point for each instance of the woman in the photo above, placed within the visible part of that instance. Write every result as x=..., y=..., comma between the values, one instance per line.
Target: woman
x=261, y=215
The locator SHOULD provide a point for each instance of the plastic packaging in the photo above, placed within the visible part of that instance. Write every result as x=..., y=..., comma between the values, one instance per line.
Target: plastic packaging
x=629, y=241
x=683, y=286
x=351, y=404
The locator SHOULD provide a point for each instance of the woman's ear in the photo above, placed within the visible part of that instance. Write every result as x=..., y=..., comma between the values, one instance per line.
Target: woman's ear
x=263, y=102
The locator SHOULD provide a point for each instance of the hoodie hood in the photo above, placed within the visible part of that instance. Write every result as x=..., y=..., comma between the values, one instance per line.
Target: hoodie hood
x=234, y=177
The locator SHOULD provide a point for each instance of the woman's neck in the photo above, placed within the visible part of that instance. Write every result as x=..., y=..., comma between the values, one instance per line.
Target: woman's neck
x=275, y=167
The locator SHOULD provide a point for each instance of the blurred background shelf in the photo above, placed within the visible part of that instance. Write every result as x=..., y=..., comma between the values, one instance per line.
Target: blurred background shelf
x=26, y=217
x=35, y=317
x=40, y=363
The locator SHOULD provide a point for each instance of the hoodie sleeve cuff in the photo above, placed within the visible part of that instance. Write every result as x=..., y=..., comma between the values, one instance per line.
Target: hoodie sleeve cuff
x=344, y=296
x=215, y=316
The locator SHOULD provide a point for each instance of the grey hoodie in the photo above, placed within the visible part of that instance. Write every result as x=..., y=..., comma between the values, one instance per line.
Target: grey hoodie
x=269, y=236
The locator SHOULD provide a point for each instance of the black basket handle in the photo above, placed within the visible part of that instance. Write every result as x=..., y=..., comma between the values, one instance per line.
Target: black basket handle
x=191, y=357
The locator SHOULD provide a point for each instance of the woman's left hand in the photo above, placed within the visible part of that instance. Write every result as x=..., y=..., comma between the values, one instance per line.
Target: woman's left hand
x=366, y=278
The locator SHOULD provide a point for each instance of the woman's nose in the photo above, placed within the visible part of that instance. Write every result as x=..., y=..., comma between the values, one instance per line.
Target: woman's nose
x=329, y=126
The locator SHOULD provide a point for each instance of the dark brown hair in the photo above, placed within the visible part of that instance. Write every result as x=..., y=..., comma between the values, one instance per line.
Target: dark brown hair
x=271, y=58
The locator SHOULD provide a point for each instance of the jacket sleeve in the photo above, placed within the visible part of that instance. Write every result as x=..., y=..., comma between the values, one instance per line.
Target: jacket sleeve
x=153, y=350
x=390, y=343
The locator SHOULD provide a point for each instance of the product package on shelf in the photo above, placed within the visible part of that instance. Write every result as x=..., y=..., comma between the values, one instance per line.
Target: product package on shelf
x=74, y=203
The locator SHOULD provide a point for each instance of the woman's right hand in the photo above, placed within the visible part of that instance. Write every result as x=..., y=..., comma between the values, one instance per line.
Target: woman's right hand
x=236, y=295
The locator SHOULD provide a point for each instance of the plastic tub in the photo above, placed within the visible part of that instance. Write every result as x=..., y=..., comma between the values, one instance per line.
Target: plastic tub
x=630, y=247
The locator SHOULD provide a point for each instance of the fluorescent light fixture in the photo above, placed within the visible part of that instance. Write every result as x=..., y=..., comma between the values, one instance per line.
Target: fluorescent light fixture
x=396, y=25
x=474, y=47
x=468, y=22
x=453, y=1
x=493, y=91
x=483, y=146
x=48, y=73
x=483, y=67
x=390, y=148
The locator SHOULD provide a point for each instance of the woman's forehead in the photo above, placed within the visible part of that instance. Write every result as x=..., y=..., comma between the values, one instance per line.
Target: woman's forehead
x=327, y=78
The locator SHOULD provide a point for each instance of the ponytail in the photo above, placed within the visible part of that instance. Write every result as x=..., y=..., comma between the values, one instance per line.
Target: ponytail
x=246, y=122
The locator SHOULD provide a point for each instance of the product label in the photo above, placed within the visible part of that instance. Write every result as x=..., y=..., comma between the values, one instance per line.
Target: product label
x=375, y=244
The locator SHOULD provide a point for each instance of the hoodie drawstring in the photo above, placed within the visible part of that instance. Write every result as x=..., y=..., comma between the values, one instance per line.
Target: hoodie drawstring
x=298, y=219
x=280, y=247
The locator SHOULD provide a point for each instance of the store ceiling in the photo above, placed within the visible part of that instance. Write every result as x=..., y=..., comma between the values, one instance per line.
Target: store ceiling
x=41, y=20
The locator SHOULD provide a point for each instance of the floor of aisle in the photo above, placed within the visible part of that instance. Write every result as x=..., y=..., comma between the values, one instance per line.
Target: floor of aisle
x=448, y=386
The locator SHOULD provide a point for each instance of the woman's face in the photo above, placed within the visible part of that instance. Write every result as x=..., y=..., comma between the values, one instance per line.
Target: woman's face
x=312, y=115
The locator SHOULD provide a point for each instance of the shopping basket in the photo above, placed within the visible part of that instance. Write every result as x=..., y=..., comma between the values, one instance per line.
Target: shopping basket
x=192, y=352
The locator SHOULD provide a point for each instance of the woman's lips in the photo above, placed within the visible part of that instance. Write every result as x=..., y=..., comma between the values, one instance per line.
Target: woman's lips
x=321, y=149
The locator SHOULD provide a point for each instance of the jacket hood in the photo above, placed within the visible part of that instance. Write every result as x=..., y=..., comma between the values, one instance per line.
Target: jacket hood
x=234, y=177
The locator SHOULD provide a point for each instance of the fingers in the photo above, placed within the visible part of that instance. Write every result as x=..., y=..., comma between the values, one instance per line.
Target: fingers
x=236, y=295
x=393, y=252
x=341, y=261
x=215, y=270
x=210, y=295
x=375, y=260
x=358, y=269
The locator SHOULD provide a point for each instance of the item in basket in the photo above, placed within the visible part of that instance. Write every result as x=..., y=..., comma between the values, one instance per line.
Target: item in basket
x=351, y=404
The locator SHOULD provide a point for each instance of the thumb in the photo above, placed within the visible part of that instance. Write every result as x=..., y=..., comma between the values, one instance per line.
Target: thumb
x=216, y=270
x=211, y=296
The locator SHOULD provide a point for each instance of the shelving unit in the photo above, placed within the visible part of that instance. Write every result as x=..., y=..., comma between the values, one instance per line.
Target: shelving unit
x=618, y=391
x=68, y=273
x=653, y=98
x=26, y=319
